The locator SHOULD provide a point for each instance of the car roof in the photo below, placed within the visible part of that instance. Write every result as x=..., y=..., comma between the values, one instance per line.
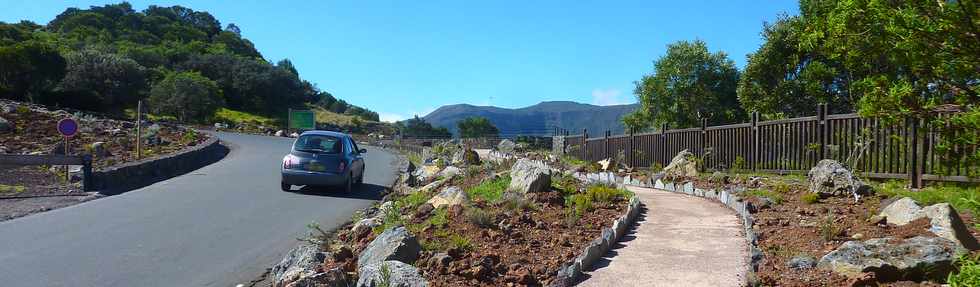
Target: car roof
x=325, y=133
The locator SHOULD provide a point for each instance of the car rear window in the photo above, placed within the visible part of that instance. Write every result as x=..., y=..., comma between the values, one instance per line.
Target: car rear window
x=318, y=143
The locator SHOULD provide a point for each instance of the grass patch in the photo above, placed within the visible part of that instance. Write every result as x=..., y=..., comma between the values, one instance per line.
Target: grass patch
x=237, y=117
x=572, y=161
x=968, y=271
x=12, y=189
x=810, y=198
x=412, y=201
x=775, y=197
x=961, y=196
x=460, y=242
x=489, y=190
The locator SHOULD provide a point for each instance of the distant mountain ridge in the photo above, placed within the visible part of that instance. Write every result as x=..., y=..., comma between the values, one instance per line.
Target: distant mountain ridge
x=539, y=119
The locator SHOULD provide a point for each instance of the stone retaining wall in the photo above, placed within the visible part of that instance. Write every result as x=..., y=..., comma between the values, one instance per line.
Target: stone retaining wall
x=133, y=175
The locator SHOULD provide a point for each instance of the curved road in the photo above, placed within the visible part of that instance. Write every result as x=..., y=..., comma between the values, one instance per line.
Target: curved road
x=220, y=225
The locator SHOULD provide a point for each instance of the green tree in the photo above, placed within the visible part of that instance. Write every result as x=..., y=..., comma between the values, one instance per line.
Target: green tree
x=689, y=83
x=29, y=69
x=112, y=80
x=474, y=127
x=418, y=127
x=781, y=79
x=188, y=96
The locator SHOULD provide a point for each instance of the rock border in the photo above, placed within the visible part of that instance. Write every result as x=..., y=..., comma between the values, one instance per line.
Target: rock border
x=570, y=272
x=129, y=176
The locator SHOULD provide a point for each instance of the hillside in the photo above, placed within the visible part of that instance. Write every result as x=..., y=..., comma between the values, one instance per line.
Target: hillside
x=181, y=62
x=538, y=119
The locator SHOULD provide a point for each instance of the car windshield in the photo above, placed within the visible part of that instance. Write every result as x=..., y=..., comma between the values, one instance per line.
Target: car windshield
x=318, y=143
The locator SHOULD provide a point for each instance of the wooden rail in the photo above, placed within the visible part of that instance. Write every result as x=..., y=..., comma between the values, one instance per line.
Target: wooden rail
x=28, y=160
x=902, y=150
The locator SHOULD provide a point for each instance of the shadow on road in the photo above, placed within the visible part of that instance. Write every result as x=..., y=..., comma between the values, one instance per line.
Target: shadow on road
x=365, y=191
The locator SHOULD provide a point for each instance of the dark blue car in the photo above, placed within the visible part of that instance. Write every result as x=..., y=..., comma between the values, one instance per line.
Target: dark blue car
x=323, y=158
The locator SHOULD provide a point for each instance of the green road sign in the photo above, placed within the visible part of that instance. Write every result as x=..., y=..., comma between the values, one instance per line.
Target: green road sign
x=302, y=119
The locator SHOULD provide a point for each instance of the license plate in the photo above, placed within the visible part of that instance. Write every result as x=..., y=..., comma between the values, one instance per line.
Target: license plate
x=315, y=167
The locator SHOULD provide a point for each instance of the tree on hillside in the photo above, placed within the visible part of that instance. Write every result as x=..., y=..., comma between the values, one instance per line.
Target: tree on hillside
x=418, y=127
x=688, y=84
x=474, y=127
x=782, y=79
x=29, y=69
x=111, y=80
x=188, y=96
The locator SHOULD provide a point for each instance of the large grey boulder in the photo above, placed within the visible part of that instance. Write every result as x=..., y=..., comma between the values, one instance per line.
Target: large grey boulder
x=335, y=277
x=449, y=196
x=506, y=146
x=393, y=244
x=425, y=173
x=683, y=164
x=944, y=220
x=529, y=176
x=5, y=126
x=390, y=274
x=300, y=262
x=916, y=258
x=830, y=178
x=450, y=172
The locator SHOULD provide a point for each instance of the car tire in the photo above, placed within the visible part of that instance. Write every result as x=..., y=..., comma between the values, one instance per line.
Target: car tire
x=360, y=179
x=286, y=187
x=349, y=184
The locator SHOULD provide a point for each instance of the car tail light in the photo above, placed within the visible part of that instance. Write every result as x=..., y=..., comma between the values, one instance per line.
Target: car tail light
x=341, y=166
x=288, y=162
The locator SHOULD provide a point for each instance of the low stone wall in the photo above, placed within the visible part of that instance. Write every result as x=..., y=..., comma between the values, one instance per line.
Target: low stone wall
x=132, y=175
x=570, y=272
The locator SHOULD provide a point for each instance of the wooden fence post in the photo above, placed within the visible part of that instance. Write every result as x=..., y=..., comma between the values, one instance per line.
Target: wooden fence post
x=822, y=130
x=754, y=149
x=605, y=146
x=915, y=168
x=585, y=144
x=663, y=145
x=630, y=157
x=704, y=140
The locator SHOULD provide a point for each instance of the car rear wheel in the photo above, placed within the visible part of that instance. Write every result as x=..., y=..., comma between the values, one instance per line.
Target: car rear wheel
x=285, y=187
x=349, y=184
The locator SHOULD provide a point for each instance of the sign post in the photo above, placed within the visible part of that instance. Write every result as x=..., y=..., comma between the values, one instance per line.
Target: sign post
x=68, y=128
x=301, y=120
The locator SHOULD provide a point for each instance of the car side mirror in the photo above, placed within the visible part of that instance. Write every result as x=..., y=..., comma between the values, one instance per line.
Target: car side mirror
x=362, y=150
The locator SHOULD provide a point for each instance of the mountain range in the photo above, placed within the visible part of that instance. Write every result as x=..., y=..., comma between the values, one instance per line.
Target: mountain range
x=539, y=119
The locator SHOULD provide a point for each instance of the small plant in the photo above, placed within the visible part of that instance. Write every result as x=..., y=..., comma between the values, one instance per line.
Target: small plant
x=189, y=137
x=317, y=236
x=566, y=184
x=656, y=167
x=605, y=194
x=439, y=218
x=829, y=228
x=571, y=218
x=781, y=187
x=775, y=197
x=517, y=202
x=810, y=198
x=413, y=200
x=459, y=242
x=480, y=217
x=385, y=275
x=21, y=109
x=581, y=203
x=739, y=164
x=968, y=271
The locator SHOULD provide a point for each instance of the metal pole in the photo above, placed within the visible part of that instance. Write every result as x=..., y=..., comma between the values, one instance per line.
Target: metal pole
x=139, y=129
x=67, y=172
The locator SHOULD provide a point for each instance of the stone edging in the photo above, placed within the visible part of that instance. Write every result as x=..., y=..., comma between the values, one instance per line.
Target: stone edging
x=734, y=203
x=570, y=272
x=128, y=176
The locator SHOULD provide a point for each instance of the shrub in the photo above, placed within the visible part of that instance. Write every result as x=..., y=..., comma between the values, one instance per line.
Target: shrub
x=781, y=187
x=489, y=190
x=605, y=194
x=829, y=229
x=459, y=242
x=739, y=164
x=810, y=198
x=439, y=218
x=968, y=271
x=189, y=96
x=480, y=217
x=656, y=167
x=189, y=136
x=581, y=203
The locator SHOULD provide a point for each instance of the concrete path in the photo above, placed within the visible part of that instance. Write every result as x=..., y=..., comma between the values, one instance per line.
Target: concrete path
x=679, y=240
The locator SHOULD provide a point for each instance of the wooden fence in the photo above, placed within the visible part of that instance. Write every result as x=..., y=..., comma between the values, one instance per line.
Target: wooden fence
x=903, y=150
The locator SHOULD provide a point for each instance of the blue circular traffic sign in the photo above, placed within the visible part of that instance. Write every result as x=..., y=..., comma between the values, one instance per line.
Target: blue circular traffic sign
x=67, y=127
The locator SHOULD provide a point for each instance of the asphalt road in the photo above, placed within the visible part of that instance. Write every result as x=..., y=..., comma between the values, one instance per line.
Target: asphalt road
x=217, y=226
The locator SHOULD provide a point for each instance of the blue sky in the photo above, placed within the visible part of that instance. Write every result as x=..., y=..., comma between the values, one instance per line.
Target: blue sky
x=402, y=58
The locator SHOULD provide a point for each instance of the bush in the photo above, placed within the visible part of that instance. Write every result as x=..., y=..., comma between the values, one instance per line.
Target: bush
x=810, y=198
x=189, y=96
x=775, y=197
x=606, y=194
x=566, y=184
x=581, y=203
x=829, y=228
x=480, y=217
x=968, y=271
